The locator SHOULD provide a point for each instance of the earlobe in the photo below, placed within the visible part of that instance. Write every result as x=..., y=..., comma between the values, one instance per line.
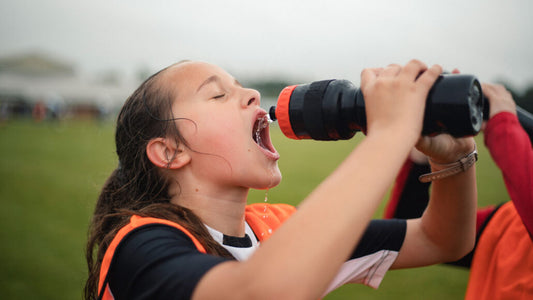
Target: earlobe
x=166, y=154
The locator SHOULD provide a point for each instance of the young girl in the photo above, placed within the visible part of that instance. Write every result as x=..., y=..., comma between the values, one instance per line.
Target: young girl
x=172, y=219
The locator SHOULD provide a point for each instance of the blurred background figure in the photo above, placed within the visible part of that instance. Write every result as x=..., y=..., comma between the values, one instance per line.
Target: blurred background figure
x=39, y=111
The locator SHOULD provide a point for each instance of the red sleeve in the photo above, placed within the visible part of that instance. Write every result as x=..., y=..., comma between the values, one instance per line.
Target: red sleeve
x=510, y=148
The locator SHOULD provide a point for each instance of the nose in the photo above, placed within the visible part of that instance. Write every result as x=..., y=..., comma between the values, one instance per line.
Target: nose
x=250, y=97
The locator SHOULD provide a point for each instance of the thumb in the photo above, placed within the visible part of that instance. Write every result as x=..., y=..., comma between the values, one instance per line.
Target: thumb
x=423, y=143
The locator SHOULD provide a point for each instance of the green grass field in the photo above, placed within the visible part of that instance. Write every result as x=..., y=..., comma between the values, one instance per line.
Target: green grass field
x=51, y=173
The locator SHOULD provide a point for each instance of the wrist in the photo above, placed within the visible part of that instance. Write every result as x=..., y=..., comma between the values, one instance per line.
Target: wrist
x=459, y=151
x=440, y=171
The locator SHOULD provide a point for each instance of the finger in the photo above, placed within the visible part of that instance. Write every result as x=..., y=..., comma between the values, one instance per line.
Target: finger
x=369, y=74
x=499, y=88
x=488, y=89
x=492, y=91
x=378, y=70
x=483, y=125
x=391, y=70
x=456, y=71
x=429, y=76
x=413, y=68
x=422, y=143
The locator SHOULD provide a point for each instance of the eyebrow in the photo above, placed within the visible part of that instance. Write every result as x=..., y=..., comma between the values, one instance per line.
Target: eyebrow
x=214, y=78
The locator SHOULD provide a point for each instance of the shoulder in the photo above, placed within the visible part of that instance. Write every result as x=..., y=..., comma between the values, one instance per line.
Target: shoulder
x=159, y=259
x=148, y=237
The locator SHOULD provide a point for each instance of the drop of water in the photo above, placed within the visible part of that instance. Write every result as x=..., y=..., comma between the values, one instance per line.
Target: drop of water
x=266, y=199
x=265, y=207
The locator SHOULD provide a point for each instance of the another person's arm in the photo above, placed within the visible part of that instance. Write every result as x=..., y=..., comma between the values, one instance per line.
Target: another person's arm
x=446, y=230
x=510, y=147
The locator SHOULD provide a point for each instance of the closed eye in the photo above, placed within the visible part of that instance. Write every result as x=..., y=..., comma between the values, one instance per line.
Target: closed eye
x=219, y=96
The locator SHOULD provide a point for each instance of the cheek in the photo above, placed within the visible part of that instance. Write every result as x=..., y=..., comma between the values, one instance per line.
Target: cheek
x=225, y=136
x=220, y=140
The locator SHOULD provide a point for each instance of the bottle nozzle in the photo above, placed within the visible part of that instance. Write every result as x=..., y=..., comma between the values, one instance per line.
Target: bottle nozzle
x=272, y=114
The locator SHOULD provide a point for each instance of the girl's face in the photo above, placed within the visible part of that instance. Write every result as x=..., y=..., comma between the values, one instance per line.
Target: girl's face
x=222, y=133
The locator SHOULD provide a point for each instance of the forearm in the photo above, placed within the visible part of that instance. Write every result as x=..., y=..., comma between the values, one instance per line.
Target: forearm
x=340, y=207
x=307, y=246
x=449, y=221
x=446, y=230
x=510, y=148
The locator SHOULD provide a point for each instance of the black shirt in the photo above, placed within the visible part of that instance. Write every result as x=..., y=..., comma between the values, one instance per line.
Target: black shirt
x=157, y=261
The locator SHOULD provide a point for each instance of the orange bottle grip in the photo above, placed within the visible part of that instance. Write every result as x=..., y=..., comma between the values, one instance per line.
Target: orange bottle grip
x=282, y=112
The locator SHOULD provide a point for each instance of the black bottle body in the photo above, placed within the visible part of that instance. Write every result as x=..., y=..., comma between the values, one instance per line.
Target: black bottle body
x=335, y=109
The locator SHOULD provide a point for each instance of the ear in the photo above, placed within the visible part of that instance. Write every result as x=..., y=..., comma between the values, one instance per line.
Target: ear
x=167, y=154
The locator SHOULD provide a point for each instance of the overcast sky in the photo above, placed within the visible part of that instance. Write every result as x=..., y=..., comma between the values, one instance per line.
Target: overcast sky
x=299, y=40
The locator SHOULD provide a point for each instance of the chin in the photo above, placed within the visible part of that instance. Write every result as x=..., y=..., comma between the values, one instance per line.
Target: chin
x=271, y=183
x=274, y=183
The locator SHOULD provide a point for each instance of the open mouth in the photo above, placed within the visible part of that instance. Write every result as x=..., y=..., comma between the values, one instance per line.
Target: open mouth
x=261, y=135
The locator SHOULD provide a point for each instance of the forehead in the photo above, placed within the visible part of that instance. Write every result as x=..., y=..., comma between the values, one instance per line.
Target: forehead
x=188, y=76
x=184, y=79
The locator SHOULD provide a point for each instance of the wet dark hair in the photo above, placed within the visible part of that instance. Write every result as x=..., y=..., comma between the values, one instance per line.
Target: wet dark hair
x=137, y=186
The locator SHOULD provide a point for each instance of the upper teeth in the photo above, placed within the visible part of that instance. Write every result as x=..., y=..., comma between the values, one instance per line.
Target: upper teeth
x=263, y=122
